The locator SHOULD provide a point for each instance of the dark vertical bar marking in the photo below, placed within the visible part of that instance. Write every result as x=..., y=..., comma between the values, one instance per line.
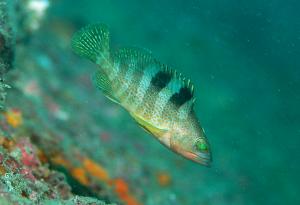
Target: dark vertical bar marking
x=161, y=80
x=181, y=97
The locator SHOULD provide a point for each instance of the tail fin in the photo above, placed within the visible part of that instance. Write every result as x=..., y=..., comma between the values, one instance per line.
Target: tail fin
x=92, y=42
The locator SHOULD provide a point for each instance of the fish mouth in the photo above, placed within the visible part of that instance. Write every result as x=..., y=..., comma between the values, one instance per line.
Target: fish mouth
x=201, y=158
x=204, y=158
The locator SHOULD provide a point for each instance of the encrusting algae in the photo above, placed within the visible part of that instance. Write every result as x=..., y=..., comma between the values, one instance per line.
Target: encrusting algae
x=14, y=117
x=80, y=174
x=90, y=169
x=157, y=97
x=163, y=178
x=95, y=170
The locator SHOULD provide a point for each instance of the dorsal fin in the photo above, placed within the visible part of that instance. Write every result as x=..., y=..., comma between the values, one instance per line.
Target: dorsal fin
x=137, y=58
x=182, y=88
x=183, y=81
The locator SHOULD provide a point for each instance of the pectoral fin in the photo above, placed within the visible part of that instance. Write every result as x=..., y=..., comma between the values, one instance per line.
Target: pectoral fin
x=103, y=83
x=158, y=132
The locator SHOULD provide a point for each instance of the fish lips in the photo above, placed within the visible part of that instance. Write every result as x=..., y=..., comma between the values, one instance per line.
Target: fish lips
x=203, y=158
x=199, y=157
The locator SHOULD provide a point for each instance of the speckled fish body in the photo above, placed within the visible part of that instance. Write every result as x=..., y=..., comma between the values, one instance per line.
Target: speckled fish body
x=157, y=97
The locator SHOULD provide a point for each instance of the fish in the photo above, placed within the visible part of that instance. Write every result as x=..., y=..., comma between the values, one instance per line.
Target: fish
x=160, y=99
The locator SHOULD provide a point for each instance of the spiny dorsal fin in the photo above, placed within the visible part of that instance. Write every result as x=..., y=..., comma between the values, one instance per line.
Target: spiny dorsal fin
x=185, y=82
x=92, y=42
x=182, y=87
x=101, y=81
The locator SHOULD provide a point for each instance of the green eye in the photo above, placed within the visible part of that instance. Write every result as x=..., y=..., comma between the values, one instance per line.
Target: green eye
x=201, y=146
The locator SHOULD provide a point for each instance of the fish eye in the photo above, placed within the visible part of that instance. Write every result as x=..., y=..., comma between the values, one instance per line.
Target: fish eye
x=201, y=146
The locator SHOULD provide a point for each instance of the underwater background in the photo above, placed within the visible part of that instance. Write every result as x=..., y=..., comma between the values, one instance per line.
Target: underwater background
x=63, y=142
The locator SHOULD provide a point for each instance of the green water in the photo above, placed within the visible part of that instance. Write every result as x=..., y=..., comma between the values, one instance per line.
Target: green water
x=243, y=57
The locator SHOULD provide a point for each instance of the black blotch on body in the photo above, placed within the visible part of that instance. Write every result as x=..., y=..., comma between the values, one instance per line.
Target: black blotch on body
x=161, y=80
x=181, y=97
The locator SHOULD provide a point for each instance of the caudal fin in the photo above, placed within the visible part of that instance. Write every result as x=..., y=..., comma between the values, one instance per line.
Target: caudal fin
x=92, y=42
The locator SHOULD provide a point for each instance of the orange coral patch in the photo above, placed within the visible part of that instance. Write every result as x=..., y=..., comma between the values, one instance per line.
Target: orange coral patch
x=14, y=117
x=121, y=188
x=80, y=174
x=95, y=170
x=59, y=160
x=163, y=179
x=91, y=168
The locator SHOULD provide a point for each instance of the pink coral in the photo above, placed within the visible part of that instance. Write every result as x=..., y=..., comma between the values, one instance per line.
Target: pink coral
x=28, y=153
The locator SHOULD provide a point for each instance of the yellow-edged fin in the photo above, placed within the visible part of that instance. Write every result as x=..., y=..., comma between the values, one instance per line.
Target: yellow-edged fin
x=103, y=83
x=148, y=126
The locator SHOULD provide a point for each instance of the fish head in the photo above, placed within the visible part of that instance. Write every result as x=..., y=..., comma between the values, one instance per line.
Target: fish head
x=193, y=146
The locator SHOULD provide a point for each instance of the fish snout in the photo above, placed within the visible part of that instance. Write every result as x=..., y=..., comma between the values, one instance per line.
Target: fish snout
x=203, y=158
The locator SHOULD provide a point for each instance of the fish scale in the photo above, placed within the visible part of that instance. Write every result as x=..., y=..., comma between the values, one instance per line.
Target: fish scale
x=129, y=97
x=146, y=108
x=126, y=82
x=157, y=97
x=143, y=85
x=169, y=114
x=120, y=80
x=133, y=75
